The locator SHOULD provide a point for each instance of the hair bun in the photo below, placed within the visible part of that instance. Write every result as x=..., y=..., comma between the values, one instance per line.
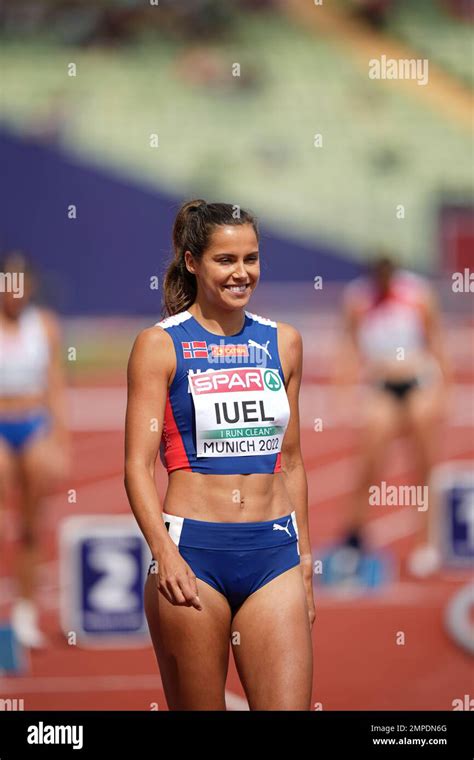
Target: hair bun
x=196, y=205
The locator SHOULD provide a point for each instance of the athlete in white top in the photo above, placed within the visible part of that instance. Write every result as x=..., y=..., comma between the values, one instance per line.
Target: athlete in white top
x=392, y=342
x=33, y=432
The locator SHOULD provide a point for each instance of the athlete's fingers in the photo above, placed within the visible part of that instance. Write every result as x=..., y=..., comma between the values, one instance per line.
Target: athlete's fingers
x=161, y=586
x=175, y=591
x=189, y=588
x=194, y=589
x=164, y=591
x=193, y=582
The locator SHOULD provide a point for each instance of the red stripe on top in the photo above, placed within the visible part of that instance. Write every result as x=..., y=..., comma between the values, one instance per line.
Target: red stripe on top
x=174, y=453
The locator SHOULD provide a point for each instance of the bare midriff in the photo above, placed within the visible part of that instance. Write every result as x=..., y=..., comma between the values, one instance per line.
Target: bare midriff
x=24, y=403
x=227, y=498
x=398, y=371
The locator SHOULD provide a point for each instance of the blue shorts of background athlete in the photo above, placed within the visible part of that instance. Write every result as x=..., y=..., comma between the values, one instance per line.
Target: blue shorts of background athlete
x=224, y=554
x=20, y=430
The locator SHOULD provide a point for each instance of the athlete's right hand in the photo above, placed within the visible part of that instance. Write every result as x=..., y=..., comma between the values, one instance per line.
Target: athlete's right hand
x=176, y=580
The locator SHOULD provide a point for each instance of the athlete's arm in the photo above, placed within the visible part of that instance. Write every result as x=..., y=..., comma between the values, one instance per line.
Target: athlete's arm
x=433, y=335
x=290, y=348
x=56, y=390
x=347, y=356
x=291, y=458
x=150, y=367
x=346, y=364
x=292, y=464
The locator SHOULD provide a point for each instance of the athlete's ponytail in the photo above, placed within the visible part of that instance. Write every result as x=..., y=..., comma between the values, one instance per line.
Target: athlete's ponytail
x=192, y=230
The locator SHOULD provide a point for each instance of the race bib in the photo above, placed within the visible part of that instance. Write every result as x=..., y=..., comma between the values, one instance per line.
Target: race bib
x=239, y=412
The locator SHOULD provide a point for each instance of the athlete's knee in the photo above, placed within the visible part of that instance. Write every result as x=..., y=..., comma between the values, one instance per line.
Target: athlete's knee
x=368, y=468
x=28, y=537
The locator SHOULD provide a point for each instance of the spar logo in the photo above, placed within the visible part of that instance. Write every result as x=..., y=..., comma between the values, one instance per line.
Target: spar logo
x=272, y=380
x=226, y=381
x=232, y=381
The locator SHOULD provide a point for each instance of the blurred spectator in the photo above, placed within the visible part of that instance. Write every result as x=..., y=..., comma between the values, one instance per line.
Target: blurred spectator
x=200, y=65
x=374, y=12
x=460, y=8
x=50, y=126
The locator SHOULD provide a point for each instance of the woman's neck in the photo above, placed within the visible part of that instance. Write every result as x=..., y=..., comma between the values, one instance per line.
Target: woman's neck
x=10, y=319
x=216, y=321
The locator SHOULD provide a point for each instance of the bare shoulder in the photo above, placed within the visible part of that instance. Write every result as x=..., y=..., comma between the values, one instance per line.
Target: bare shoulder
x=50, y=323
x=290, y=348
x=289, y=337
x=153, y=349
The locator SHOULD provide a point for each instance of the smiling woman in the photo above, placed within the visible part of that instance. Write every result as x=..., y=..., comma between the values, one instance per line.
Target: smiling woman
x=230, y=265
x=230, y=545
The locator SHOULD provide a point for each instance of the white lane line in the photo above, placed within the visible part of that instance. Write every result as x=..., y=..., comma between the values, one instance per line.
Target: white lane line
x=385, y=530
x=66, y=684
x=339, y=476
x=399, y=592
x=74, y=684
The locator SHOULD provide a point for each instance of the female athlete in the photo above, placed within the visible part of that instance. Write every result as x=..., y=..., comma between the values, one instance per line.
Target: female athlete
x=34, y=441
x=392, y=333
x=215, y=388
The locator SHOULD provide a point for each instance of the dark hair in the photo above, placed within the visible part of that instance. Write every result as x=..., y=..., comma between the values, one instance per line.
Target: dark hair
x=194, y=224
x=382, y=258
x=16, y=260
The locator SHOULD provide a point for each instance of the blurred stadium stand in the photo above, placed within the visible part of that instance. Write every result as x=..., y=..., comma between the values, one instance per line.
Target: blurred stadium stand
x=247, y=140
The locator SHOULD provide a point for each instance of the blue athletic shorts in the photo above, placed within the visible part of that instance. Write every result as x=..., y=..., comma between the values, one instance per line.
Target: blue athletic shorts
x=236, y=558
x=20, y=430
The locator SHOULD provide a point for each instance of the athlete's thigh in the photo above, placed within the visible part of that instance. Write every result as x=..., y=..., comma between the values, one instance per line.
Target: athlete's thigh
x=425, y=408
x=6, y=475
x=7, y=466
x=35, y=465
x=381, y=418
x=273, y=648
x=191, y=646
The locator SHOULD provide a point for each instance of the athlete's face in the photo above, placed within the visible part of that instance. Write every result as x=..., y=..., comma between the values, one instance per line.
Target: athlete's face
x=230, y=261
x=17, y=295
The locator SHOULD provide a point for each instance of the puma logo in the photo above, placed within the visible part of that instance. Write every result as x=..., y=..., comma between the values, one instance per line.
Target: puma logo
x=281, y=527
x=258, y=345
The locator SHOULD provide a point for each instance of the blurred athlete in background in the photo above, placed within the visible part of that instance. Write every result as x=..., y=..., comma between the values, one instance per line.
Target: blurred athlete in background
x=34, y=441
x=392, y=335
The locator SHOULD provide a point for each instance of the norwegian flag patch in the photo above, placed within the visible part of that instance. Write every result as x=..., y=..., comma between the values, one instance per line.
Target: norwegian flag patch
x=194, y=349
